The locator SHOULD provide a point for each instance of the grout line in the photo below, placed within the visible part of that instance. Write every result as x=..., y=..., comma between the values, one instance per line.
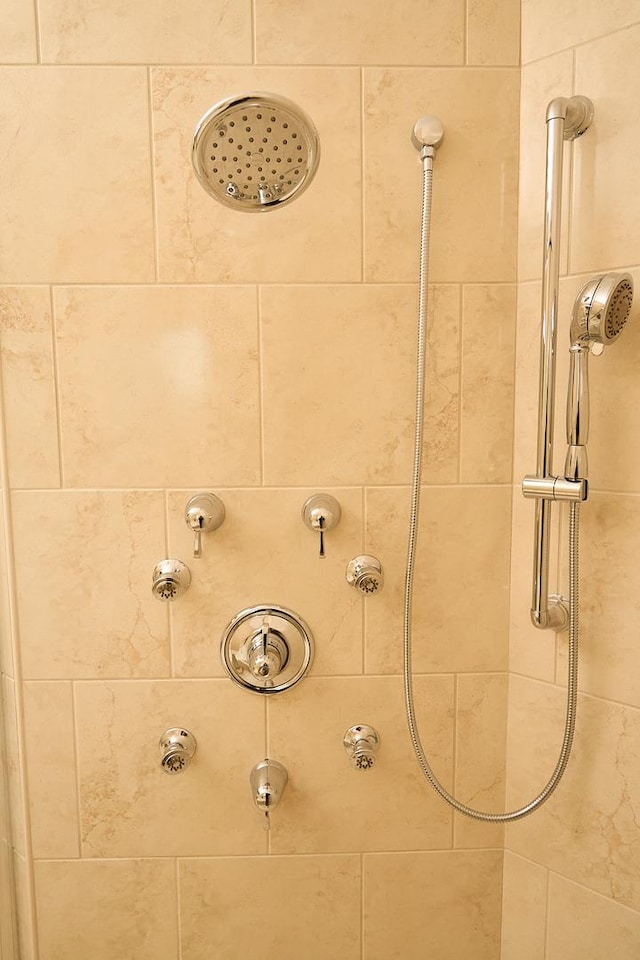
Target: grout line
x=36, y=19
x=460, y=381
x=363, y=207
x=261, y=386
x=56, y=388
x=76, y=764
x=362, y=919
x=579, y=45
x=254, y=33
x=154, y=196
x=178, y=907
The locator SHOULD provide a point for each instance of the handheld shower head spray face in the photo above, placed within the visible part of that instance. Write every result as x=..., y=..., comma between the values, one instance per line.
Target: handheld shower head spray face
x=602, y=309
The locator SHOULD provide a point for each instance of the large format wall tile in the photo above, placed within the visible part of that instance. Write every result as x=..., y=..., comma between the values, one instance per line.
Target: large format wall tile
x=174, y=399
x=28, y=387
x=493, y=32
x=460, y=597
x=51, y=769
x=316, y=238
x=316, y=898
x=446, y=904
x=605, y=212
x=587, y=830
x=396, y=808
x=83, y=31
x=75, y=182
x=18, y=42
x=548, y=26
x=475, y=173
x=263, y=553
x=586, y=926
x=524, y=909
x=339, y=384
x=107, y=910
x=130, y=807
x=88, y=558
x=301, y=31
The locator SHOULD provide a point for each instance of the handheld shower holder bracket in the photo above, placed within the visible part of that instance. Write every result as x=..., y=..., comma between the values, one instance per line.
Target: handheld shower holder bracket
x=554, y=488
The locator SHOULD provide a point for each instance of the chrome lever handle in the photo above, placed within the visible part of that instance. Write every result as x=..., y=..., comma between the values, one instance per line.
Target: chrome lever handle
x=204, y=512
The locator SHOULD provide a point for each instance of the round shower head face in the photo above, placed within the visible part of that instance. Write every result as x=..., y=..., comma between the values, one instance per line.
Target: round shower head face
x=602, y=308
x=255, y=152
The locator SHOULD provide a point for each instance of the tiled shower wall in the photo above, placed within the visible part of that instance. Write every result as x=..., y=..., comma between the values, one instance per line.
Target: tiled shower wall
x=572, y=871
x=155, y=344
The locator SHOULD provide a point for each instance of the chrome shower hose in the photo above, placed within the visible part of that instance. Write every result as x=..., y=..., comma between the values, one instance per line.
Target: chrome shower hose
x=572, y=682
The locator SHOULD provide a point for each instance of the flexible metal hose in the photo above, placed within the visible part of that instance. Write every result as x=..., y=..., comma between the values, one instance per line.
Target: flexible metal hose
x=572, y=680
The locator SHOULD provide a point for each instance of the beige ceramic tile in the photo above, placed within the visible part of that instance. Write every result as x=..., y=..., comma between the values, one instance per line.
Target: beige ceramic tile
x=481, y=734
x=587, y=830
x=488, y=357
x=107, y=910
x=290, y=31
x=83, y=31
x=548, y=26
x=493, y=32
x=317, y=898
x=263, y=553
x=7, y=659
x=444, y=903
x=586, y=926
x=475, y=178
x=315, y=238
x=76, y=178
x=174, y=399
x=524, y=909
x=25, y=920
x=347, y=413
x=51, y=769
x=8, y=918
x=129, y=806
x=28, y=387
x=397, y=809
x=90, y=567
x=18, y=42
x=609, y=604
x=460, y=597
x=541, y=83
x=14, y=769
x=605, y=212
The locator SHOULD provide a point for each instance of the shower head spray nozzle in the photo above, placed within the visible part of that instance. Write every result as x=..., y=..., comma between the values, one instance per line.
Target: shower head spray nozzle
x=602, y=309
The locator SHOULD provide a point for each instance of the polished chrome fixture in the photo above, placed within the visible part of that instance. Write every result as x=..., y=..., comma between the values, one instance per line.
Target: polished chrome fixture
x=268, y=780
x=177, y=746
x=170, y=579
x=266, y=649
x=321, y=513
x=255, y=152
x=204, y=512
x=361, y=743
x=567, y=119
x=365, y=574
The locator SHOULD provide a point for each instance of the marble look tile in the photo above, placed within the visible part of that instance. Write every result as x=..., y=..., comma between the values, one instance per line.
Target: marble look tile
x=587, y=831
x=51, y=769
x=548, y=26
x=107, y=910
x=397, y=809
x=83, y=31
x=460, y=602
x=7, y=657
x=315, y=239
x=475, y=179
x=26, y=935
x=481, y=736
x=28, y=387
x=586, y=926
x=493, y=32
x=604, y=212
x=187, y=415
x=90, y=218
x=449, y=900
x=129, y=806
x=524, y=909
x=18, y=42
x=89, y=565
x=263, y=553
x=541, y=83
x=348, y=417
x=488, y=355
x=13, y=766
x=299, y=31
x=321, y=896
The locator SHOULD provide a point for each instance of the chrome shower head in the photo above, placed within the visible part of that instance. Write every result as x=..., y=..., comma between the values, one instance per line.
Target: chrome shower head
x=255, y=152
x=602, y=309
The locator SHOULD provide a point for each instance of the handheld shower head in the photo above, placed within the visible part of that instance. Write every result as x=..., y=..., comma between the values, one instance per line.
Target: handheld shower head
x=602, y=309
x=600, y=313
